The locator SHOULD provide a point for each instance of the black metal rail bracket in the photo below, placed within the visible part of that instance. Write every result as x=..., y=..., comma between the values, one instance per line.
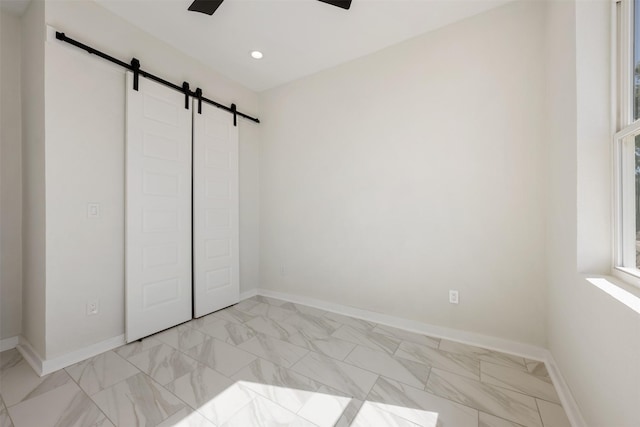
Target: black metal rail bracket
x=199, y=98
x=135, y=67
x=185, y=87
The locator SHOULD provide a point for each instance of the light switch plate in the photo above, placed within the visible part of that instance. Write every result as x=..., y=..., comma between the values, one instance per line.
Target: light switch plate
x=453, y=297
x=93, y=210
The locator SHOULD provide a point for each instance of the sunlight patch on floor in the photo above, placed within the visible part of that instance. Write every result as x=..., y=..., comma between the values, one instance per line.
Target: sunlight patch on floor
x=252, y=403
x=379, y=414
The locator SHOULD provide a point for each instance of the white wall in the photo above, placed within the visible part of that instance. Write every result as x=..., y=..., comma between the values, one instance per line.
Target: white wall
x=10, y=178
x=594, y=338
x=85, y=163
x=384, y=182
x=391, y=179
x=33, y=173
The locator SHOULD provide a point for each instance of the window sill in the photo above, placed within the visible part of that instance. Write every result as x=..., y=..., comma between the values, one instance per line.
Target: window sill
x=629, y=276
x=620, y=289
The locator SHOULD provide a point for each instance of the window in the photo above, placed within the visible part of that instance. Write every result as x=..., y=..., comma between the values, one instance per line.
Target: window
x=627, y=137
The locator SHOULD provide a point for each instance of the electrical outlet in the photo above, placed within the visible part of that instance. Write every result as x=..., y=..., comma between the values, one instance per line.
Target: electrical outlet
x=92, y=308
x=453, y=297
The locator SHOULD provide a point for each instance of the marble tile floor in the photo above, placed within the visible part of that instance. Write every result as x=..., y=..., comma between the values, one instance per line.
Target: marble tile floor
x=265, y=362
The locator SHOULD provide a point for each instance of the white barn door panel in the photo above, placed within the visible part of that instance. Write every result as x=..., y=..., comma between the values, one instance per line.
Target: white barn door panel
x=215, y=204
x=158, y=268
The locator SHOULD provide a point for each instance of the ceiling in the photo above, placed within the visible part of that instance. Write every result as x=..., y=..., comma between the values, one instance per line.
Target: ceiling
x=297, y=37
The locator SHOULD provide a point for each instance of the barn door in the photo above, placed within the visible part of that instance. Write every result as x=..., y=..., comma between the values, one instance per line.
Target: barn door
x=215, y=205
x=158, y=209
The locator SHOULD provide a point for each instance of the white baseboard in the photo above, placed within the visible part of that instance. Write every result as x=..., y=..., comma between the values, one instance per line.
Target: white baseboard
x=248, y=294
x=485, y=341
x=46, y=366
x=492, y=343
x=9, y=343
x=30, y=355
x=569, y=404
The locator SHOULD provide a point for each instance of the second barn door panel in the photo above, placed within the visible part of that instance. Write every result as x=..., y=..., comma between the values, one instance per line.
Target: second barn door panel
x=215, y=207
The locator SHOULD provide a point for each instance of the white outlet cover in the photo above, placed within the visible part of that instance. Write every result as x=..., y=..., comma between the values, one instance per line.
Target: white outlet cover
x=92, y=308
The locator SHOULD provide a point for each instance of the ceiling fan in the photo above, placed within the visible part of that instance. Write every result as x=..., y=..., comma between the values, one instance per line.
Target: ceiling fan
x=210, y=6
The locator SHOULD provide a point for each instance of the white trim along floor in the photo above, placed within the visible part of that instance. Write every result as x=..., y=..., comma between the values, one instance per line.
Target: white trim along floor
x=276, y=359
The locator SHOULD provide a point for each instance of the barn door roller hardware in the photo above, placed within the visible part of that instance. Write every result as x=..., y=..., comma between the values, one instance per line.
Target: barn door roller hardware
x=134, y=67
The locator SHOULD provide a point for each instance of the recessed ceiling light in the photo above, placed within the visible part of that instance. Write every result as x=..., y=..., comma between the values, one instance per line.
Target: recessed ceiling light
x=256, y=54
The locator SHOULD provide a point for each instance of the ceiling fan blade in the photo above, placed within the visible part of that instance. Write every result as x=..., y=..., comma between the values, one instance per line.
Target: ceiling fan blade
x=205, y=6
x=345, y=4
